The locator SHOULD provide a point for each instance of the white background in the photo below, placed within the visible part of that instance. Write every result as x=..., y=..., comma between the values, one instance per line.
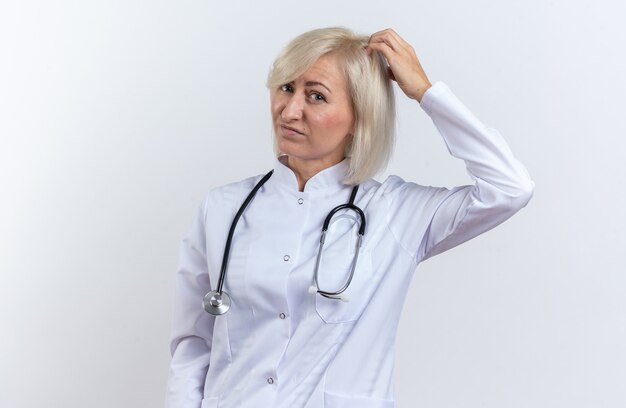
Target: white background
x=116, y=117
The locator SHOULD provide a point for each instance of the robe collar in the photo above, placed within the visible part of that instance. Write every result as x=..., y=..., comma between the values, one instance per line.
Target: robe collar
x=329, y=178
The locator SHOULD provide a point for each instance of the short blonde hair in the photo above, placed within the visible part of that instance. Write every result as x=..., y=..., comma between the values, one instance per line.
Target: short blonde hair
x=369, y=86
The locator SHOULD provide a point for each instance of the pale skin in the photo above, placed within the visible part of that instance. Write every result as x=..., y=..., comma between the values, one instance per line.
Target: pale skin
x=313, y=116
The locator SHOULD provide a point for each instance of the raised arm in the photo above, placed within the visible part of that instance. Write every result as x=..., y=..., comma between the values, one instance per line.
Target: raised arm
x=427, y=220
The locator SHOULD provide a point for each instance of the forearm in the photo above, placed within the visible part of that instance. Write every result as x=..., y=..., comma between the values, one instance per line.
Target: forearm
x=502, y=185
x=486, y=154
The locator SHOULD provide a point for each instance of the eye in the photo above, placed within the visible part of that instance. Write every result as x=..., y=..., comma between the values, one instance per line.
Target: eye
x=317, y=97
x=286, y=88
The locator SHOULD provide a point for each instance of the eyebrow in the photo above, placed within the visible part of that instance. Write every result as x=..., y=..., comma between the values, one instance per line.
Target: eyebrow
x=312, y=83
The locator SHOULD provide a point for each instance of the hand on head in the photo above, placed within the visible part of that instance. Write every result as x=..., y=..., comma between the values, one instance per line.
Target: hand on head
x=404, y=66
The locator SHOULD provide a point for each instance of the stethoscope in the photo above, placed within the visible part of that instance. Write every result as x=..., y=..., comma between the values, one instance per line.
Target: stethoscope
x=217, y=302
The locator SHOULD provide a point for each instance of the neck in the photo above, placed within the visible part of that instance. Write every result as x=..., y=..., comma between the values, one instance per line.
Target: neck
x=306, y=169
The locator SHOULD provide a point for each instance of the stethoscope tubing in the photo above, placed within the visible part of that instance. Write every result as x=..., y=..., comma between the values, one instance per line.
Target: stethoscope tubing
x=231, y=232
x=217, y=302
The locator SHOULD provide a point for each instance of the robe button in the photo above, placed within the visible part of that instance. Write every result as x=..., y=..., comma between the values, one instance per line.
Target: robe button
x=300, y=201
x=282, y=315
x=286, y=258
x=270, y=380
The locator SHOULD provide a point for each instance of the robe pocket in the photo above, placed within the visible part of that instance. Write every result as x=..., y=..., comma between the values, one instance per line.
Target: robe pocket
x=358, y=293
x=340, y=401
x=209, y=402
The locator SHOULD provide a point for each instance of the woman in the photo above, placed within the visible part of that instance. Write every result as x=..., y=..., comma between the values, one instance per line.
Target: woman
x=291, y=337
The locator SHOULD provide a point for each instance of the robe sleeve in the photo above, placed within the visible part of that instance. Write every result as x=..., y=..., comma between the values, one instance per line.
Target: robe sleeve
x=429, y=220
x=192, y=327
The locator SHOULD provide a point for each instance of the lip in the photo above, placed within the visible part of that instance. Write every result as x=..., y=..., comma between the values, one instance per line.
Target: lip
x=288, y=130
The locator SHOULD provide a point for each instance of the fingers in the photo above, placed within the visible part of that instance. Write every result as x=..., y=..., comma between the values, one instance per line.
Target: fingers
x=392, y=39
x=403, y=65
x=391, y=45
x=384, y=48
x=386, y=38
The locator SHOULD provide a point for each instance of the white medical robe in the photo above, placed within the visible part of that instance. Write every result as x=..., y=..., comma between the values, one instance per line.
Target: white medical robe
x=281, y=345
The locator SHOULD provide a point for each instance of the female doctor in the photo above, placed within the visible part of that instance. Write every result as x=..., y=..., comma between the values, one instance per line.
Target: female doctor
x=291, y=283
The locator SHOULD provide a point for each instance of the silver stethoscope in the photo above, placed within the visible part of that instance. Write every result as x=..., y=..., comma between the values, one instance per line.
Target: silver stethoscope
x=217, y=302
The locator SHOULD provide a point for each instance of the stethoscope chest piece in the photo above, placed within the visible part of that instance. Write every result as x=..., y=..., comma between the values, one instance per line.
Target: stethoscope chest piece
x=216, y=303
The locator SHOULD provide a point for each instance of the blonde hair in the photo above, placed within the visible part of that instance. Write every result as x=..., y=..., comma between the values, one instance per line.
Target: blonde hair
x=369, y=86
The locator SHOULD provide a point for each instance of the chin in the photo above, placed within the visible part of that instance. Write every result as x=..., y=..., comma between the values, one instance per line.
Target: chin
x=290, y=150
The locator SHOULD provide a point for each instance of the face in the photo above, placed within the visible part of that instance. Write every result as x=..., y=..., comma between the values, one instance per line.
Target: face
x=312, y=115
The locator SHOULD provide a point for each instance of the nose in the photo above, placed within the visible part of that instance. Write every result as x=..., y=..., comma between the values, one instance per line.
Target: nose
x=293, y=108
